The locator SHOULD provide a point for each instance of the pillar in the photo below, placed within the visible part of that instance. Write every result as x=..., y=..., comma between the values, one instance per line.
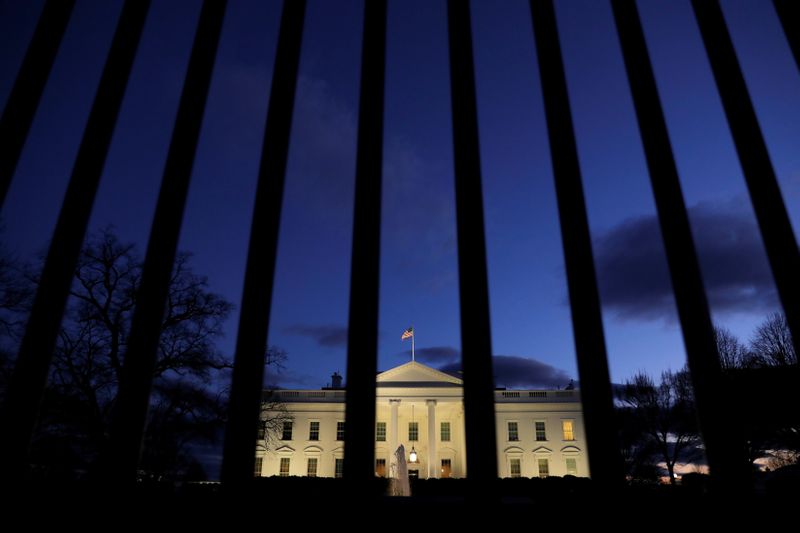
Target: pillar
x=433, y=471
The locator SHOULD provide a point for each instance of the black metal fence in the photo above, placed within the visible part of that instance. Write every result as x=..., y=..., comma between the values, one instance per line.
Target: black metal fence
x=26, y=389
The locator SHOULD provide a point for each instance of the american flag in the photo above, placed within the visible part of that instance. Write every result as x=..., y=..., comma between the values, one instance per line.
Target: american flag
x=407, y=333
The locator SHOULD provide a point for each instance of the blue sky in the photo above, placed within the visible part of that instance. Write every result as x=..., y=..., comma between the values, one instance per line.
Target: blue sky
x=530, y=318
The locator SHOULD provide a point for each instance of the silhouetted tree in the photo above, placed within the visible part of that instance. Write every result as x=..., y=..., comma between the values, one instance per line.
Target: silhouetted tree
x=15, y=297
x=664, y=412
x=772, y=342
x=186, y=405
x=732, y=353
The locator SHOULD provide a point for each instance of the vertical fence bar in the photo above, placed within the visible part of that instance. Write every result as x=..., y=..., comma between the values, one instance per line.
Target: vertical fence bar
x=789, y=15
x=362, y=335
x=605, y=461
x=130, y=410
x=698, y=331
x=26, y=389
x=476, y=342
x=773, y=220
x=251, y=344
x=29, y=86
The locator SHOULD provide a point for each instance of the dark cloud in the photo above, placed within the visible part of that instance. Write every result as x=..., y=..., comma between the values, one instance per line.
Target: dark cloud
x=436, y=354
x=632, y=266
x=513, y=371
x=330, y=336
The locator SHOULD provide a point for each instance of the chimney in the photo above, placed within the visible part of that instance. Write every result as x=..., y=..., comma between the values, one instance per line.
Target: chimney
x=336, y=381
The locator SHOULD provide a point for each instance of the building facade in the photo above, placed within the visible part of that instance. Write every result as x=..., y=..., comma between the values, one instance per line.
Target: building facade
x=539, y=432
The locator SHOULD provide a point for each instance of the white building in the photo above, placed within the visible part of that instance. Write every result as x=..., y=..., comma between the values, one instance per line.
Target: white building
x=539, y=432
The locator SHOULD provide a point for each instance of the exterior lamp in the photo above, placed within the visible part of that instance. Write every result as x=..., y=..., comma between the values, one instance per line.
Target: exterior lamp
x=412, y=456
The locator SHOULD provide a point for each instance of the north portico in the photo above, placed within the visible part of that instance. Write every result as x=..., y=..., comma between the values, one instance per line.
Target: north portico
x=539, y=432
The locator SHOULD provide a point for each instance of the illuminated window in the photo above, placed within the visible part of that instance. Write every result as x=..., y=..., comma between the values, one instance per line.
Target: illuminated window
x=312, y=467
x=339, y=430
x=569, y=433
x=572, y=466
x=287, y=431
x=313, y=431
x=284, y=466
x=259, y=464
x=513, y=431
x=380, y=432
x=339, y=467
x=445, y=431
x=380, y=467
x=514, y=467
x=544, y=467
x=262, y=432
x=413, y=431
x=541, y=434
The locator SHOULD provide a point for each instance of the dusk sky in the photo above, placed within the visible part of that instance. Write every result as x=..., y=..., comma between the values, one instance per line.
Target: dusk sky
x=531, y=326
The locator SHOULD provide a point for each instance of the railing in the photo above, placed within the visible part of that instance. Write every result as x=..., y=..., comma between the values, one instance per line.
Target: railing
x=307, y=395
x=537, y=396
x=541, y=396
x=26, y=389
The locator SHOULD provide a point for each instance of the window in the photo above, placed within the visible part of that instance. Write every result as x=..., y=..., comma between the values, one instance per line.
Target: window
x=339, y=430
x=380, y=467
x=284, y=466
x=380, y=431
x=447, y=468
x=262, y=432
x=287, y=431
x=445, y=431
x=513, y=431
x=569, y=434
x=313, y=431
x=544, y=467
x=541, y=434
x=514, y=467
x=572, y=466
x=312, y=467
x=338, y=467
x=259, y=464
x=413, y=431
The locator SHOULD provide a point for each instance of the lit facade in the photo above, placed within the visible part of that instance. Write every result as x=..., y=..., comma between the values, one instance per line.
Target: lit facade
x=539, y=432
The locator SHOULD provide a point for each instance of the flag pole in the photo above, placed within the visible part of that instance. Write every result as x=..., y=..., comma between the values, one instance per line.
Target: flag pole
x=412, y=344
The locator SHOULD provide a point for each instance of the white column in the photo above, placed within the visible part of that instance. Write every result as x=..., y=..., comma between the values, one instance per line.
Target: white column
x=433, y=471
x=463, y=441
x=393, y=428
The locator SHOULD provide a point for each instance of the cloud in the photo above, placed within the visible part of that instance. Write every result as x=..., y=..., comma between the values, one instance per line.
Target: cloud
x=436, y=354
x=513, y=371
x=634, y=278
x=330, y=336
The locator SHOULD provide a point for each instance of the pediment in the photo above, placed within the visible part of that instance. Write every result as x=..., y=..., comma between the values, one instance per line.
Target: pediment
x=513, y=450
x=413, y=372
x=542, y=449
x=570, y=449
x=284, y=450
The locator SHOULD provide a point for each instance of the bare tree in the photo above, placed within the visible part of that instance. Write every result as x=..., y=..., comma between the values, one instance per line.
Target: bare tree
x=732, y=353
x=186, y=400
x=273, y=411
x=15, y=298
x=665, y=413
x=772, y=342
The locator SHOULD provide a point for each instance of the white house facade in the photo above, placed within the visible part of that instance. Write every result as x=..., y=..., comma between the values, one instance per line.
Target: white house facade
x=539, y=432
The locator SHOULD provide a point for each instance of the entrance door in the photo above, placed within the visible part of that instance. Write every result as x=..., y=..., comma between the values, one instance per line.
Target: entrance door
x=446, y=468
x=413, y=474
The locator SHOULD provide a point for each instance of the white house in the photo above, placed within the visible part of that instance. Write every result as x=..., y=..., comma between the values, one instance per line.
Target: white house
x=539, y=432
